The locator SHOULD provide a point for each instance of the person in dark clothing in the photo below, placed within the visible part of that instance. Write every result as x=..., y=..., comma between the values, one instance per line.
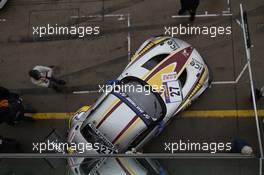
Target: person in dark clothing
x=4, y=110
x=4, y=93
x=43, y=76
x=189, y=5
x=11, y=108
x=4, y=115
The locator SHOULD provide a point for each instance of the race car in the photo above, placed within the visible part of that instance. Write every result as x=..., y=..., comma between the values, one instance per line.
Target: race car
x=2, y=3
x=164, y=76
x=114, y=166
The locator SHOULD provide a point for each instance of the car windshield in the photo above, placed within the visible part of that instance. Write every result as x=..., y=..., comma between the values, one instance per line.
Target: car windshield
x=153, y=62
x=142, y=96
x=99, y=142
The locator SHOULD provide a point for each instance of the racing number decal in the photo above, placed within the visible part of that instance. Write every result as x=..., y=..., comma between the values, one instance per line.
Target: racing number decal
x=172, y=88
x=174, y=92
x=106, y=150
x=103, y=149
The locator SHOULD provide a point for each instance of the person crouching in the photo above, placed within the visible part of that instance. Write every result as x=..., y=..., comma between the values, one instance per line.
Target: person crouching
x=43, y=76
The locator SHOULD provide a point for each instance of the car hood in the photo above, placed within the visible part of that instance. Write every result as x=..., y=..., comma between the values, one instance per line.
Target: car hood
x=117, y=121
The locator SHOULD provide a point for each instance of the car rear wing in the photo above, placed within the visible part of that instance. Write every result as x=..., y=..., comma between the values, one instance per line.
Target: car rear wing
x=101, y=136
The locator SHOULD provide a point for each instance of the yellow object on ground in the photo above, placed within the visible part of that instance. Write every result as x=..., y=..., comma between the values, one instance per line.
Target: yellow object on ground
x=185, y=114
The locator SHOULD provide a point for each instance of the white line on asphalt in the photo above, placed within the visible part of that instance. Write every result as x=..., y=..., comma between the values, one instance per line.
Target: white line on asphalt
x=248, y=57
x=120, y=17
x=98, y=16
x=128, y=37
x=203, y=15
x=84, y=92
x=223, y=82
x=235, y=81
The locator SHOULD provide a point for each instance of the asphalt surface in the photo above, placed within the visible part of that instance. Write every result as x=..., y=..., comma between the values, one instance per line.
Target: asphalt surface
x=88, y=62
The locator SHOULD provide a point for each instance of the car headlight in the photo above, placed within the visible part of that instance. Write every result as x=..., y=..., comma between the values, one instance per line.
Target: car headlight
x=78, y=114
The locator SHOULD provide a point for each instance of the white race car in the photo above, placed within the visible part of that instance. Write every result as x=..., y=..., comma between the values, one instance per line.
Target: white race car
x=114, y=166
x=163, y=77
x=2, y=3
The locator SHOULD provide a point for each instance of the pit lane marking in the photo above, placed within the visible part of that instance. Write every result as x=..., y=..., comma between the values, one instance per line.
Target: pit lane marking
x=245, y=113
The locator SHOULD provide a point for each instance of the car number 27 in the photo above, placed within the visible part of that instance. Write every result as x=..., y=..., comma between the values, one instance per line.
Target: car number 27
x=174, y=91
x=106, y=150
